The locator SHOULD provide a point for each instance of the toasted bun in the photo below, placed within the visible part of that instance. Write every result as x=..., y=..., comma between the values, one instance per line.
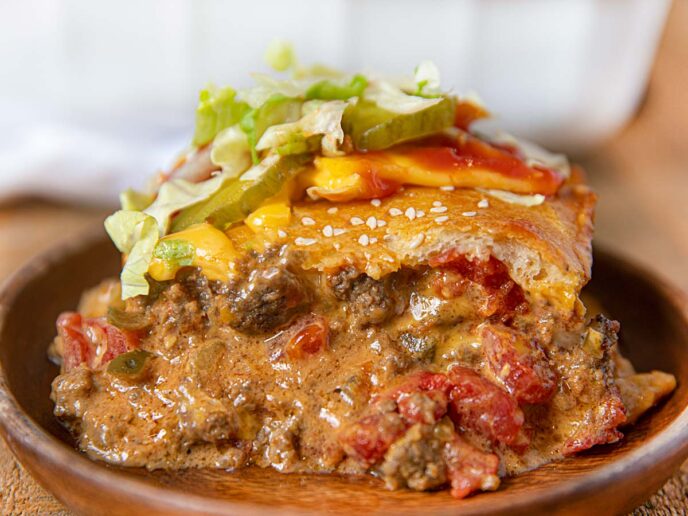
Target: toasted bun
x=547, y=248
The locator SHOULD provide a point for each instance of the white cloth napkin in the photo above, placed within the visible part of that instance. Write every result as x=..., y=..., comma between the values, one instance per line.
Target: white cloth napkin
x=82, y=163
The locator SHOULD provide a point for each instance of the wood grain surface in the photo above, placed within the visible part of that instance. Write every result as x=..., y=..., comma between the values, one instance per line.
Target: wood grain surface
x=641, y=176
x=605, y=480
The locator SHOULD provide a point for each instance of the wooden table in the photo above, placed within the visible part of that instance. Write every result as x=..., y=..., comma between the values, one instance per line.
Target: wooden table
x=641, y=176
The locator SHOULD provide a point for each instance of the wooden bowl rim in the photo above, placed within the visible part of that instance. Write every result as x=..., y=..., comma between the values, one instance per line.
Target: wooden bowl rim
x=16, y=426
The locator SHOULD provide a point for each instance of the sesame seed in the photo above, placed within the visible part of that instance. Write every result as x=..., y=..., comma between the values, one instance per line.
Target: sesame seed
x=437, y=203
x=356, y=221
x=376, y=202
x=447, y=188
x=468, y=214
x=417, y=240
x=338, y=231
x=367, y=256
x=395, y=212
x=420, y=214
x=304, y=241
x=387, y=237
x=438, y=209
x=410, y=213
x=381, y=223
x=371, y=222
x=441, y=219
x=388, y=258
x=363, y=240
x=281, y=233
x=373, y=240
x=328, y=231
x=484, y=203
x=336, y=245
x=332, y=210
x=307, y=221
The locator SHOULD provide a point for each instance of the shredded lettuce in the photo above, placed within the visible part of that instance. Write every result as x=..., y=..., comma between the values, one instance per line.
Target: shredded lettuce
x=217, y=109
x=135, y=234
x=177, y=194
x=280, y=55
x=176, y=252
x=316, y=71
x=321, y=118
x=331, y=90
x=278, y=109
x=231, y=151
x=427, y=78
x=267, y=87
x=132, y=200
x=393, y=99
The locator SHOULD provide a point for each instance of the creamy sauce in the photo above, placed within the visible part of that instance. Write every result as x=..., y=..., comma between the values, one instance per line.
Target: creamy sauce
x=221, y=397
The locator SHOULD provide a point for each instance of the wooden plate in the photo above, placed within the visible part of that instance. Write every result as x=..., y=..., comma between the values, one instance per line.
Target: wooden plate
x=605, y=480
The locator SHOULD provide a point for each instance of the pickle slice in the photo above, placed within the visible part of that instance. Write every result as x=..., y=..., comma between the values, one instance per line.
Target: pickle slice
x=131, y=364
x=300, y=145
x=237, y=198
x=374, y=128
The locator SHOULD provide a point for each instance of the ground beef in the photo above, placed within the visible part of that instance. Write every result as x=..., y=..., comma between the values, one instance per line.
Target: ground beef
x=418, y=347
x=283, y=444
x=415, y=460
x=370, y=301
x=69, y=391
x=197, y=286
x=588, y=393
x=270, y=298
x=206, y=419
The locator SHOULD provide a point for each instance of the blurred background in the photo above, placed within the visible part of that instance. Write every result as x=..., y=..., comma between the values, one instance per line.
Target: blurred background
x=105, y=92
x=95, y=96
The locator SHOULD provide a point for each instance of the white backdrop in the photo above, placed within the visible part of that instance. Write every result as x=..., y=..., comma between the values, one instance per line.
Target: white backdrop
x=94, y=95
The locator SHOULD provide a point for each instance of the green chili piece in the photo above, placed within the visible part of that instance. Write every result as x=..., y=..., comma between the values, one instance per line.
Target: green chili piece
x=131, y=364
x=126, y=320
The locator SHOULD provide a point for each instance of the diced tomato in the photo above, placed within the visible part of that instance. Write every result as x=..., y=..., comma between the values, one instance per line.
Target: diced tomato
x=370, y=437
x=76, y=349
x=308, y=336
x=469, y=469
x=505, y=296
x=520, y=364
x=473, y=402
x=421, y=381
x=479, y=405
x=427, y=407
x=490, y=272
x=422, y=397
x=91, y=341
x=118, y=341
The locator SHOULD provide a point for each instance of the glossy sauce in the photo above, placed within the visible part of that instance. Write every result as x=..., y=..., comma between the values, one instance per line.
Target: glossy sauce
x=464, y=154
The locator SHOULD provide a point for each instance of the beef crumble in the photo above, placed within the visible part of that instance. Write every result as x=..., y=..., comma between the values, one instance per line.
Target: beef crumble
x=389, y=375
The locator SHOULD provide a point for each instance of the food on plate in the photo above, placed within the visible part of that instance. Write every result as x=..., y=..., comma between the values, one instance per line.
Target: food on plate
x=343, y=274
